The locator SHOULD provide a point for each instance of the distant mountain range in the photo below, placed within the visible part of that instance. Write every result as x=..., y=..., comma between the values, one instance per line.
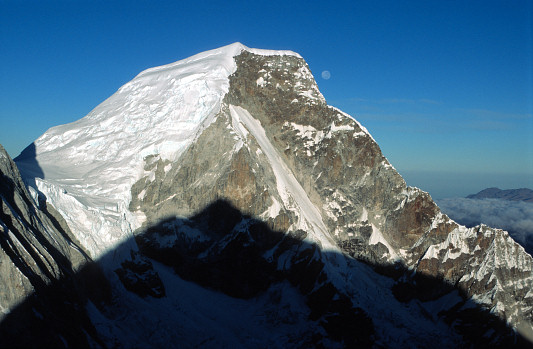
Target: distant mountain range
x=522, y=194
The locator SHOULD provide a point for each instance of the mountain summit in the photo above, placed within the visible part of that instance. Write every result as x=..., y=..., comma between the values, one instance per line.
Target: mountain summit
x=91, y=164
x=228, y=175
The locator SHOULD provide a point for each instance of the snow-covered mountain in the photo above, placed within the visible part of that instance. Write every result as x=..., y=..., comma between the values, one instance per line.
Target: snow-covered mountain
x=222, y=194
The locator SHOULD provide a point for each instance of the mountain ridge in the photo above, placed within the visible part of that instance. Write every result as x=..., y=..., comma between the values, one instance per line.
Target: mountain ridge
x=522, y=194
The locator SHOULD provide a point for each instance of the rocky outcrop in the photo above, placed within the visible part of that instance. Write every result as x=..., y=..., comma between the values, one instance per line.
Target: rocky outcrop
x=34, y=251
x=137, y=275
x=46, y=277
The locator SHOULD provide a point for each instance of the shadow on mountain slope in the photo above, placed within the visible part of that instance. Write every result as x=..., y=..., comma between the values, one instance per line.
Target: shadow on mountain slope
x=222, y=249
x=27, y=162
x=25, y=211
x=51, y=316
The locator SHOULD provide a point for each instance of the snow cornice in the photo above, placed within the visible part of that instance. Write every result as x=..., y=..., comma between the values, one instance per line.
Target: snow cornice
x=221, y=55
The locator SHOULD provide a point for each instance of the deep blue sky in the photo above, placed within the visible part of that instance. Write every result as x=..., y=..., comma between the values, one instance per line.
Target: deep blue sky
x=445, y=87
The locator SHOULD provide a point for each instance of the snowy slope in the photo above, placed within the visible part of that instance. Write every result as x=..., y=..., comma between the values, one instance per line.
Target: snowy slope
x=90, y=165
x=290, y=190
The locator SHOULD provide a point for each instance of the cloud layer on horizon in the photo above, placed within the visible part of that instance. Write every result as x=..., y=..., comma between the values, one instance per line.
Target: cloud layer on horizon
x=514, y=216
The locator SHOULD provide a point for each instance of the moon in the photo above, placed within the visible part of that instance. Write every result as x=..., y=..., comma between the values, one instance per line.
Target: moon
x=326, y=75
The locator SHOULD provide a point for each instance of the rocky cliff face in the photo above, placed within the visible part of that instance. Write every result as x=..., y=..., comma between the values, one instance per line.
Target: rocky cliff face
x=272, y=191
x=364, y=202
x=35, y=247
x=277, y=151
x=46, y=276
